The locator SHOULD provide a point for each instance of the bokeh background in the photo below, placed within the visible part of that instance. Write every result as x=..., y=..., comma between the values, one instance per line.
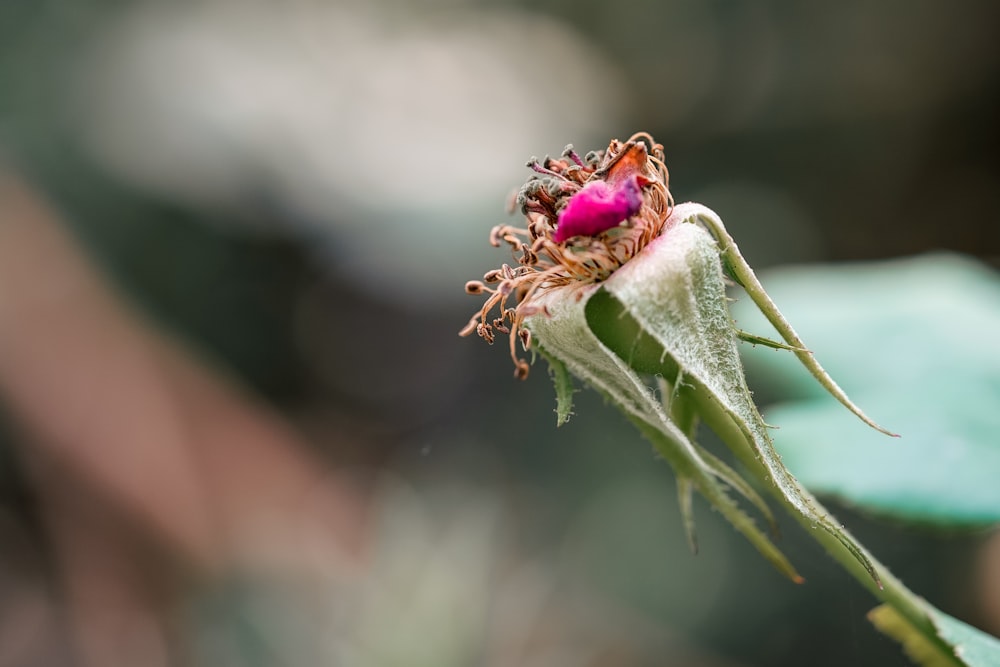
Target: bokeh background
x=237, y=426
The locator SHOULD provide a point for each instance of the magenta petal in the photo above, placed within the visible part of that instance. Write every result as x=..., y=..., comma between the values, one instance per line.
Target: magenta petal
x=598, y=207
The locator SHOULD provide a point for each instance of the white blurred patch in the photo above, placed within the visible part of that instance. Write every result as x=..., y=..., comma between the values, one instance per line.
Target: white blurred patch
x=393, y=139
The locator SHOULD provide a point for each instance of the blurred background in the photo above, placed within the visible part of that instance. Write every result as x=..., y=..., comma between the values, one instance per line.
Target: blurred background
x=237, y=426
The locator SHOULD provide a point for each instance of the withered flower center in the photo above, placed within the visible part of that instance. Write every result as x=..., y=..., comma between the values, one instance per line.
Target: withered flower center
x=585, y=218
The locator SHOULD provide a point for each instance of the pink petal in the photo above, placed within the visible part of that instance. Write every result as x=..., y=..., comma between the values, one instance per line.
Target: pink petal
x=599, y=206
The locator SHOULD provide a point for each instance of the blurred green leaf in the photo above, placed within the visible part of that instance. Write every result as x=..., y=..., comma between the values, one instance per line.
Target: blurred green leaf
x=914, y=342
x=975, y=648
x=972, y=647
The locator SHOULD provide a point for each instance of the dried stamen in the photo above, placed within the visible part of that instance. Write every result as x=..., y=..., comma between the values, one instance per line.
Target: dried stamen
x=585, y=217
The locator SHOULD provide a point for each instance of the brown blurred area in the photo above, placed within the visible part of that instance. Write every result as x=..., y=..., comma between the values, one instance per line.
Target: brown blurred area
x=237, y=426
x=147, y=468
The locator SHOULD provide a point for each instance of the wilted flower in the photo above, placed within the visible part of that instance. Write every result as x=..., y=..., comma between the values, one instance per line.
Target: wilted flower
x=586, y=217
x=627, y=292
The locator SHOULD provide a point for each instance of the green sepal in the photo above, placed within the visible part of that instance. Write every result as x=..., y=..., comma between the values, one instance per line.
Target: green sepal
x=672, y=297
x=685, y=500
x=562, y=380
x=743, y=274
x=754, y=339
x=564, y=333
